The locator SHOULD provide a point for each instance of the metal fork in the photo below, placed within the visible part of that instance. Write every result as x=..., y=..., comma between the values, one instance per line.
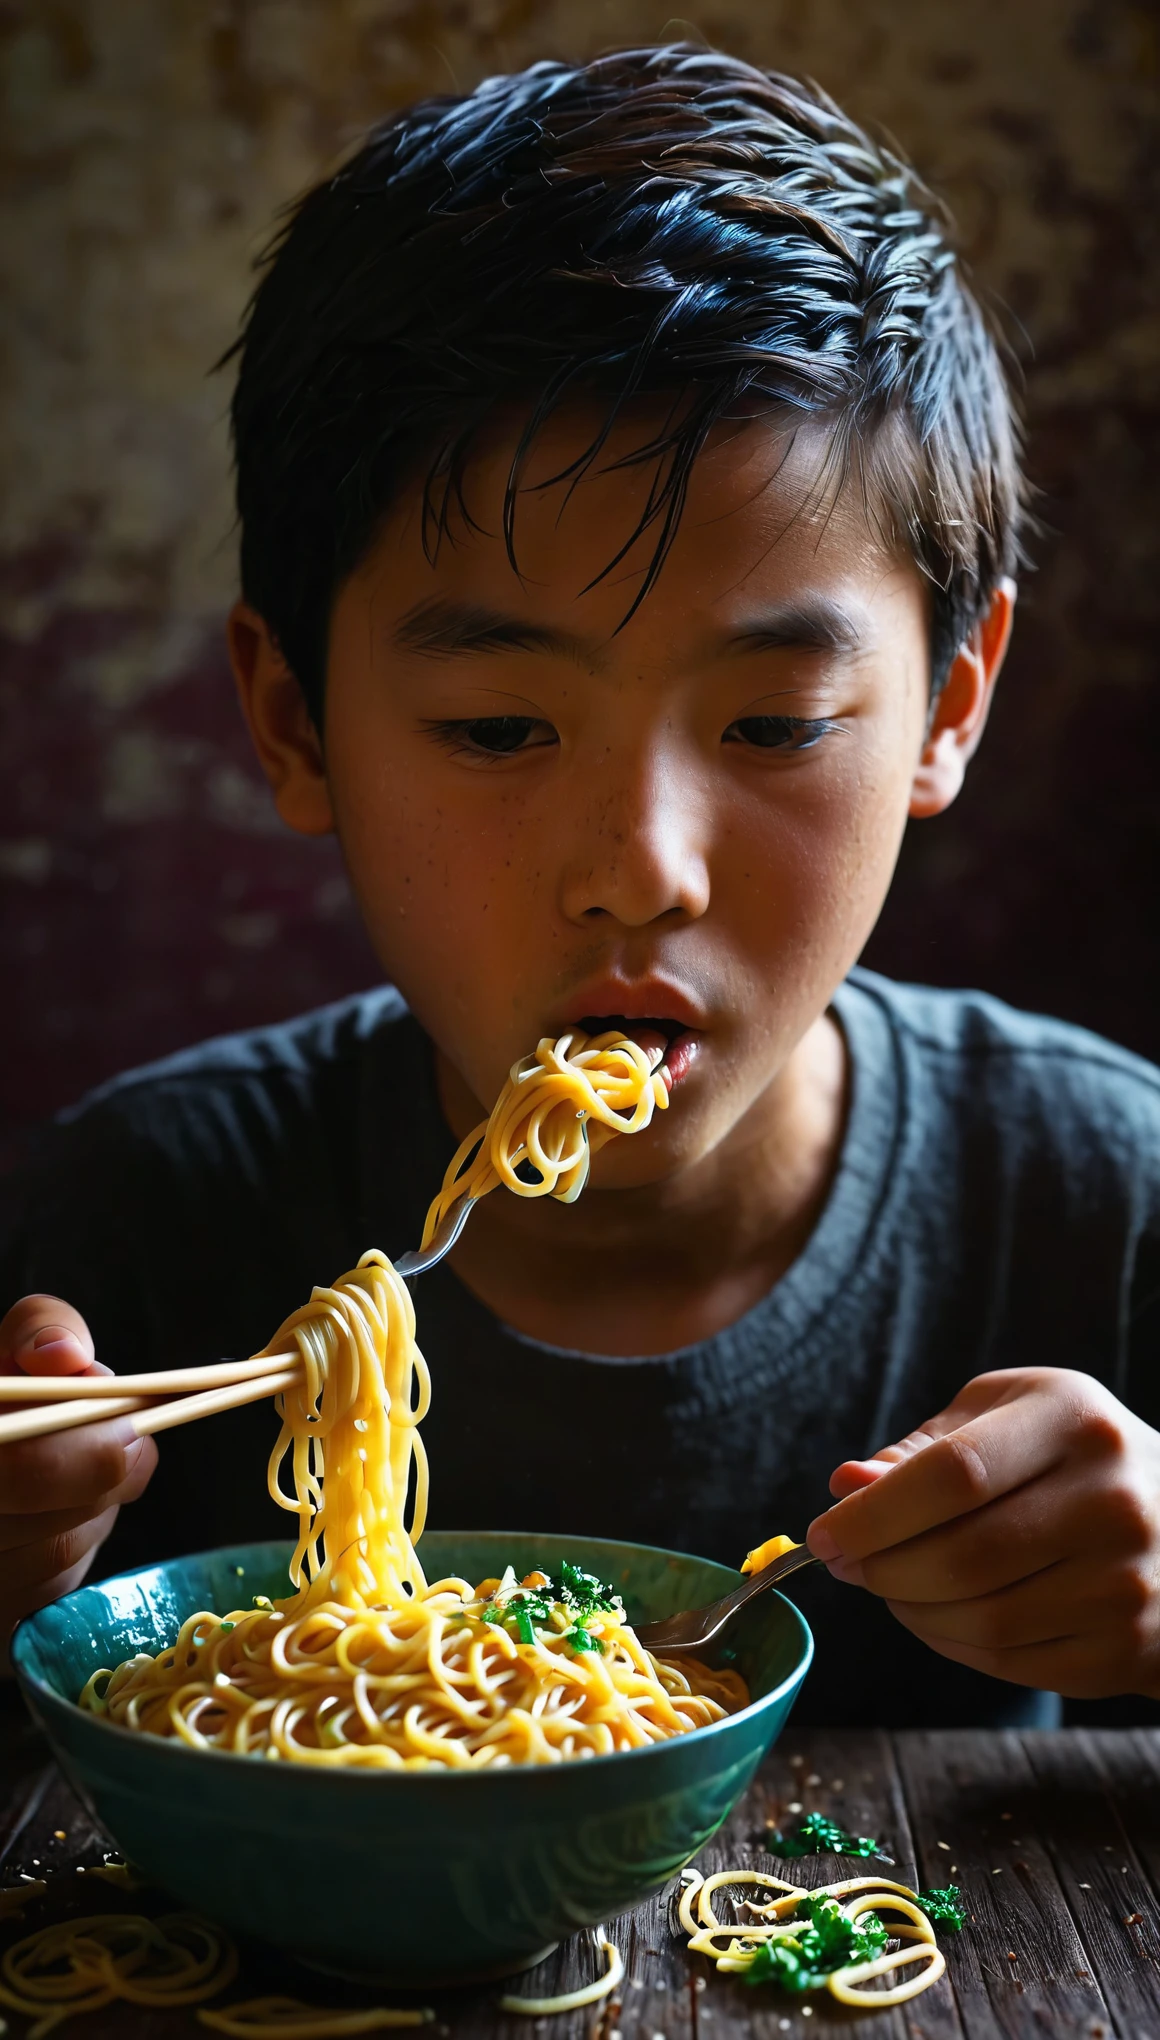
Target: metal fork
x=693, y=1628
x=421, y=1258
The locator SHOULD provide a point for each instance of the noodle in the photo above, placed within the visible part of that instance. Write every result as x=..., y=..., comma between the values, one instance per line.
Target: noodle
x=571, y=2000
x=366, y=1663
x=285, y=2018
x=778, y=1921
x=80, y=1965
x=557, y=1109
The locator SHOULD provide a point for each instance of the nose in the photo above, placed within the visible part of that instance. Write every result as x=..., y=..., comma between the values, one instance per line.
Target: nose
x=639, y=852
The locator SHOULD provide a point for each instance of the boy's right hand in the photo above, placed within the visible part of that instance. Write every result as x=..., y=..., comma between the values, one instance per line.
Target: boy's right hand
x=59, y=1495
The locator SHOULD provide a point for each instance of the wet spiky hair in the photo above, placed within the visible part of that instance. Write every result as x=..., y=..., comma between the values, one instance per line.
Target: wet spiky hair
x=659, y=220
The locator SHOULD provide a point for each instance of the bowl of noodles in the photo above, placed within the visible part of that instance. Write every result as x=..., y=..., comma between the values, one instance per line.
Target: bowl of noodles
x=403, y=1755
x=419, y=1871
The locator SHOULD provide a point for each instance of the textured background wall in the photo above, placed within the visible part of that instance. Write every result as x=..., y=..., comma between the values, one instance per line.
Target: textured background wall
x=149, y=897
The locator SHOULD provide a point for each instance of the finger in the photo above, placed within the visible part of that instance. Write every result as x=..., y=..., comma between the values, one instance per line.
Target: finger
x=17, y=1531
x=855, y=1474
x=952, y=1475
x=43, y=1335
x=76, y=1469
x=982, y=1392
x=38, y=1596
x=27, y=1526
x=49, y=1557
x=1041, y=1523
x=1077, y=1596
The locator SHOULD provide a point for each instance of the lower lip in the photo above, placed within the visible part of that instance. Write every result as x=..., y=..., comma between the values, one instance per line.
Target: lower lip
x=679, y=1053
x=680, y=1056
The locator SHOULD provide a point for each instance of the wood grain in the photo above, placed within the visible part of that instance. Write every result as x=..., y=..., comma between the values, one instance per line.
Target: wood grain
x=1055, y=1839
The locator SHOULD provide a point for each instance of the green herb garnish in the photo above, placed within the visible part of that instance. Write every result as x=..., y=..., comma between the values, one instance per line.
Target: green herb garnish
x=817, y=1836
x=577, y=1596
x=582, y=1593
x=522, y=1616
x=827, y=1941
x=579, y=1639
x=944, y=1908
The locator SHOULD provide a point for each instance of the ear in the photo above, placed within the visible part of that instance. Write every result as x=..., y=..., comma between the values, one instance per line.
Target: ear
x=278, y=720
x=961, y=711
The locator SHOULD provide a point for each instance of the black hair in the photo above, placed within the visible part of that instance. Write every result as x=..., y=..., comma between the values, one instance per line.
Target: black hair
x=659, y=220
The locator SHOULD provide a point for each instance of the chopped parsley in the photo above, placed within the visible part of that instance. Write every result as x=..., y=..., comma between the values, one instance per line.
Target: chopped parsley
x=579, y=1639
x=566, y=1606
x=583, y=1594
x=827, y=1941
x=943, y=1906
x=817, y=1836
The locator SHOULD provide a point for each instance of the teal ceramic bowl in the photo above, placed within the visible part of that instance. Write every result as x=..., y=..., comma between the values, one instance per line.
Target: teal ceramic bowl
x=426, y=1876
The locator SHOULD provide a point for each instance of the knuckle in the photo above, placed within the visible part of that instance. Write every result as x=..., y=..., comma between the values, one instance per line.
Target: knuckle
x=1129, y=1518
x=1102, y=1430
x=965, y=1470
x=1130, y=1595
x=60, y=1552
x=62, y=1470
x=994, y=1625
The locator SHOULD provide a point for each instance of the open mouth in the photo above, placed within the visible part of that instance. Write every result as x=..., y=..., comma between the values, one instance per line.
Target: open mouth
x=678, y=1044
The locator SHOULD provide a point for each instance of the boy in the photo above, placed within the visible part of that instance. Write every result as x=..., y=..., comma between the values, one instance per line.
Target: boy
x=630, y=502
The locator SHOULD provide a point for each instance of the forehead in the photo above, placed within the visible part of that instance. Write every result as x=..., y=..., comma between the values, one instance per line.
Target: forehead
x=768, y=514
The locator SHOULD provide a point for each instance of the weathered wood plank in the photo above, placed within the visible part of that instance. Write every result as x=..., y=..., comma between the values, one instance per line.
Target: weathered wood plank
x=1021, y=1968
x=1128, y=1761
x=1081, y=1804
x=853, y=1779
x=1106, y=1884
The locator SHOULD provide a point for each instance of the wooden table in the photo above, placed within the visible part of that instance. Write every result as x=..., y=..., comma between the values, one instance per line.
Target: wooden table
x=1054, y=1838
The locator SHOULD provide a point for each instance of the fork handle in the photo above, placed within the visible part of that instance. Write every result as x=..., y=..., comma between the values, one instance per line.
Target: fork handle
x=673, y=1635
x=421, y=1258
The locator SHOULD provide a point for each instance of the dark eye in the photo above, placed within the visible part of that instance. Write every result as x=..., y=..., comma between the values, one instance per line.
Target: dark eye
x=778, y=732
x=492, y=736
x=500, y=733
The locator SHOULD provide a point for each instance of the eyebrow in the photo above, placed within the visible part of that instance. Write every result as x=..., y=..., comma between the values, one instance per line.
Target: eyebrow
x=815, y=624
x=441, y=626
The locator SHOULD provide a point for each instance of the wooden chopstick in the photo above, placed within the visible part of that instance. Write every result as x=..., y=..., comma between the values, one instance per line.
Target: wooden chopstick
x=42, y=1388
x=147, y=1414
x=186, y=1409
x=65, y=1416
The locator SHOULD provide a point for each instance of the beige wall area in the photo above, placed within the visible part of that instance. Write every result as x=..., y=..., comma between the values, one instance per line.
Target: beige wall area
x=146, y=147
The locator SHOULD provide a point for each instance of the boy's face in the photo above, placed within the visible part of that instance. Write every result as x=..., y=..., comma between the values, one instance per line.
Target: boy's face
x=691, y=821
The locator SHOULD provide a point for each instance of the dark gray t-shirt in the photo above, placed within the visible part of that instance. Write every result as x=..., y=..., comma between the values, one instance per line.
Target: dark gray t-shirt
x=996, y=1204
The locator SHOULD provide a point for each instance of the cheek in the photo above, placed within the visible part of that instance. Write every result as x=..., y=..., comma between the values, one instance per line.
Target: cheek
x=810, y=862
x=450, y=889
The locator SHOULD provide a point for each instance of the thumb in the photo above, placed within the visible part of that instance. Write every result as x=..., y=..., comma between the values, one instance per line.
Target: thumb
x=981, y=1393
x=43, y=1335
x=855, y=1474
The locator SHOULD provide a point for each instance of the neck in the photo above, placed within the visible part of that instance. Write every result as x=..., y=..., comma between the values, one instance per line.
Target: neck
x=679, y=1259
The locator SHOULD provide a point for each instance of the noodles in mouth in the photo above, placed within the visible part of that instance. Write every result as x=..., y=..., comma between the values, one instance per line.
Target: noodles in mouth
x=367, y=1663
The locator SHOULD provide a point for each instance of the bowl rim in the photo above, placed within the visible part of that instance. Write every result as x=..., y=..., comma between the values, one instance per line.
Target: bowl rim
x=166, y=1748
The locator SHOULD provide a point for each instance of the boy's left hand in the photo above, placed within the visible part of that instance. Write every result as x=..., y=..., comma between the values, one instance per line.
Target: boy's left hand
x=1018, y=1532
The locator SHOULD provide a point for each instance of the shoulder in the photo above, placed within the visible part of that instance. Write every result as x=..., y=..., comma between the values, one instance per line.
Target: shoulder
x=299, y=1051
x=261, y=1086
x=1029, y=1079
x=226, y=1121
x=228, y=1164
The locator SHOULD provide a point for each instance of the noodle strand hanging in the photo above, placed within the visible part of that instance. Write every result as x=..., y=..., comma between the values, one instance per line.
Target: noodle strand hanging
x=367, y=1663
